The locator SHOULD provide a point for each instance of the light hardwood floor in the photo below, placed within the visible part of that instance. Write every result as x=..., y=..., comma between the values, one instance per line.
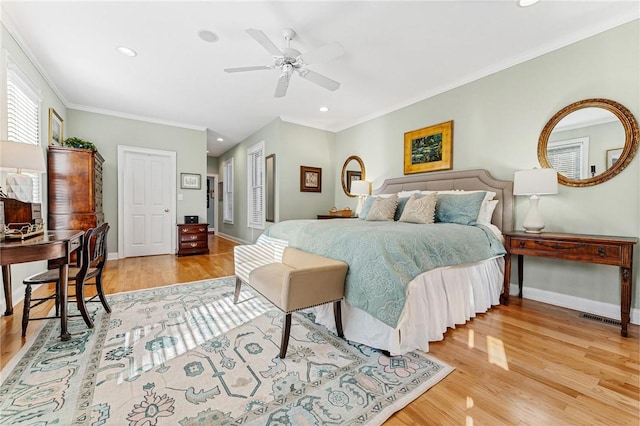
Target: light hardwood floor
x=526, y=363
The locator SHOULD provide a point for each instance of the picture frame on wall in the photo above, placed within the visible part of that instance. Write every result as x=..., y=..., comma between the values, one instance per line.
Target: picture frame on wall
x=310, y=179
x=612, y=156
x=56, y=128
x=429, y=149
x=190, y=181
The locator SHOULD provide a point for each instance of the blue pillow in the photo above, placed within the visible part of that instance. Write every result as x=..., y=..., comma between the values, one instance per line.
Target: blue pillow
x=400, y=208
x=462, y=209
x=366, y=207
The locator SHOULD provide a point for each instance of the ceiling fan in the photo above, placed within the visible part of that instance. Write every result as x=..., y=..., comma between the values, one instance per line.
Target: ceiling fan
x=289, y=60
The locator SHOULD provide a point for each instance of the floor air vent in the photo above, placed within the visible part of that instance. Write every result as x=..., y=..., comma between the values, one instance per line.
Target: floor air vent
x=601, y=319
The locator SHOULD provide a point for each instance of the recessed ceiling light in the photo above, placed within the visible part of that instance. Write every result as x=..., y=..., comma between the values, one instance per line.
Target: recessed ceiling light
x=527, y=3
x=324, y=109
x=220, y=140
x=208, y=36
x=126, y=51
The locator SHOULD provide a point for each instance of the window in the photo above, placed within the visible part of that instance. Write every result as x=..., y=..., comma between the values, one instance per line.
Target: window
x=227, y=194
x=255, y=186
x=569, y=157
x=23, y=115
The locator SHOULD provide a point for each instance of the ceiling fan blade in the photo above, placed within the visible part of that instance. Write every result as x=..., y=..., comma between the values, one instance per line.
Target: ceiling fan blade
x=264, y=41
x=323, y=53
x=242, y=69
x=283, y=85
x=320, y=80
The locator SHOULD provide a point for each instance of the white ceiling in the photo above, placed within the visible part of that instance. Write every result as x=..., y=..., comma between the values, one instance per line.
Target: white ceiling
x=397, y=53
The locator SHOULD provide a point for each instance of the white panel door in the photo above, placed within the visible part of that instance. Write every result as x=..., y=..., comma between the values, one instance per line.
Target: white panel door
x=147, y=204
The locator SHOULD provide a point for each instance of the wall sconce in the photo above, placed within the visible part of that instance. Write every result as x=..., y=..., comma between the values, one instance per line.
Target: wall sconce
x=21, y=157
x=535, y=182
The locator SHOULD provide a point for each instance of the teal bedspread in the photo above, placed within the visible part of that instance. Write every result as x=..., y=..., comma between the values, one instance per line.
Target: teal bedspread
x=383, y=257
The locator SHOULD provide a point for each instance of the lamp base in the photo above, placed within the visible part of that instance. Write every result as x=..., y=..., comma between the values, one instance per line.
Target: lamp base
x=533, y=222
x=20, y=187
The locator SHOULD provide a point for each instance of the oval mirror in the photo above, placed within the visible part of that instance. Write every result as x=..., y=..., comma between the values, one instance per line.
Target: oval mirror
x=353, y=169
x=589, y=142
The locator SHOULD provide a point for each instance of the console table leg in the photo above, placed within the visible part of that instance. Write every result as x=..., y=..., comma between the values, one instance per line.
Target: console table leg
x=520, y=273
x=625, y=299
x=8, y=295
x=64, y=284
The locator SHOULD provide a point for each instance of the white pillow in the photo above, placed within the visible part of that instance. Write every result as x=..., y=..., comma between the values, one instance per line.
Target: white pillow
x=383, y=208
x=420, y=209
x=403, y=194
x=486, y=211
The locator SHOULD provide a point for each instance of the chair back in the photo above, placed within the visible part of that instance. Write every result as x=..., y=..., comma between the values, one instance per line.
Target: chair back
x=94, y=250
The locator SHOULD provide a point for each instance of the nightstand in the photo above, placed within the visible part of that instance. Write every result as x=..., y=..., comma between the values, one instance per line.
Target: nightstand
x=193, y=239
x=602, y=249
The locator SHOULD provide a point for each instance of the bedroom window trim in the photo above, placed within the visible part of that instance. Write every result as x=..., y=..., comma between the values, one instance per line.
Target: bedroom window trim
x=256, y=186
x=227, y=192
x=22, y=104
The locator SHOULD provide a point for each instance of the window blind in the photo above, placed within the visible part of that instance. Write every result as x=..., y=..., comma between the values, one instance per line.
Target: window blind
x=255, y=186
x=568, y=157
x=23, y=117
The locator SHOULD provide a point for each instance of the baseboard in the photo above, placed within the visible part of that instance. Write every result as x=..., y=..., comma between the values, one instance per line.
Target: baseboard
x=607, y=310
x=232, y=238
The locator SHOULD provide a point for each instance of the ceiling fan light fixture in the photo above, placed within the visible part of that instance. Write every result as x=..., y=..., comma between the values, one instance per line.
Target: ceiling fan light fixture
x=220, y=140
x=126, y=51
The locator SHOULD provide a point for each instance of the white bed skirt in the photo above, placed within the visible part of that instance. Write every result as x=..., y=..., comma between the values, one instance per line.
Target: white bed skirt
x=436, y=300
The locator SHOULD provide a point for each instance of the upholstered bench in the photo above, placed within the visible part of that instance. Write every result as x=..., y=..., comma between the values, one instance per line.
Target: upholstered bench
x=302, y=280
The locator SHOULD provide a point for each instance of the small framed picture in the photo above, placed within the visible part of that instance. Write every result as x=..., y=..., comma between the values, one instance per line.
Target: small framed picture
x=310, y=179
x=190, y=181
x=56, y=128
x=612, y=156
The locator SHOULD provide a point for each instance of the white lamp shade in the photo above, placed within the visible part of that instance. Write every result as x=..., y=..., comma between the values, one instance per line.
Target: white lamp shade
x=360, y=187
x=535, y=182
x=22, y=157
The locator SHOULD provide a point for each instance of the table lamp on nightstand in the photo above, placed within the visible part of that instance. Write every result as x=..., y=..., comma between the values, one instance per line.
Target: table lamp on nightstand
x=535, y=182
x=21, y=157
x=361, y=188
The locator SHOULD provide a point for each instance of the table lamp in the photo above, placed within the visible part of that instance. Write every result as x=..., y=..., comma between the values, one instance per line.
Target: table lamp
x=535, y=182
x=22, y=157
x=361, y=188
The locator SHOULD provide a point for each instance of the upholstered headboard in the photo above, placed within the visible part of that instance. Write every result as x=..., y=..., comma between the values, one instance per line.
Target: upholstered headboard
x=478, y=179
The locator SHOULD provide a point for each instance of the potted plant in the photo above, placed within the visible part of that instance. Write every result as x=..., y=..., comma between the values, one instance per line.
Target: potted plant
x=74, y=142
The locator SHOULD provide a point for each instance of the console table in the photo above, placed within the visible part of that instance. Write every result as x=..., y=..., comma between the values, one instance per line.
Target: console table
x=602, y=249
x=52, y=245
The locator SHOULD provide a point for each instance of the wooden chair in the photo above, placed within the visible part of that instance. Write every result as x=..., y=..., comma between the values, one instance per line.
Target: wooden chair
x=93, y=257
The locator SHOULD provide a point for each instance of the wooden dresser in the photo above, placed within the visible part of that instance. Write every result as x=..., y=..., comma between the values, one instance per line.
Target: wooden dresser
x=75, y=188
x=192, y=239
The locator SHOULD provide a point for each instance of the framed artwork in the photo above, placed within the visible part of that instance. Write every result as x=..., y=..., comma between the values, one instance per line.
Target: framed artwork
x=429, y=149
x=612, y=156
x=351, y=176
x=56, y=128
x=190, y=181
x=310, y=179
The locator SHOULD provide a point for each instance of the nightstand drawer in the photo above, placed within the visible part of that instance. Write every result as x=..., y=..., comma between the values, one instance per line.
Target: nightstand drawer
x=588, y=252
x=192, y=237
x=194, y=245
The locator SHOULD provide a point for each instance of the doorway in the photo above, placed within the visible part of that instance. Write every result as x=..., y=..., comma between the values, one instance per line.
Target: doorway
x=146, y=201
x=212, y=202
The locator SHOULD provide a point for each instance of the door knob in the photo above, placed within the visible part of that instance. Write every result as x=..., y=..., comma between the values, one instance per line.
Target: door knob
x=166, y=210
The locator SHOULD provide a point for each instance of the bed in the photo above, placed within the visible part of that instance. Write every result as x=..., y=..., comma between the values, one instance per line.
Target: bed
x=436, y=287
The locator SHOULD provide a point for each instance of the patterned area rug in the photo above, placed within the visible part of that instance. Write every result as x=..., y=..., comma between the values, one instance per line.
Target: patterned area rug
x=185, y=354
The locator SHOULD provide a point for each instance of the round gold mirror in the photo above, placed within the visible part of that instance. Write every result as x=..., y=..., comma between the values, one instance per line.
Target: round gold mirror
x=353, y=169
x=589, y=142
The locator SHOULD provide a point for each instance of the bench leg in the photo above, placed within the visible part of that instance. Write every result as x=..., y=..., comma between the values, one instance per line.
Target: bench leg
x=337, y=313
x=286, y=329
x=236, y=295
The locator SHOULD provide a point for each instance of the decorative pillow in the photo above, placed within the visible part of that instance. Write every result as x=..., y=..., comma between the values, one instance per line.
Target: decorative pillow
x=462, y=209
x=486, y=211
x=401, y=203
x=420, y=209
x=365, y=207
x=383, y=208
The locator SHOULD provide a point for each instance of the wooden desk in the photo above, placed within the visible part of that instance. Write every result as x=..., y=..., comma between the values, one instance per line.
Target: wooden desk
x=602, y=249
x=52, y=245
